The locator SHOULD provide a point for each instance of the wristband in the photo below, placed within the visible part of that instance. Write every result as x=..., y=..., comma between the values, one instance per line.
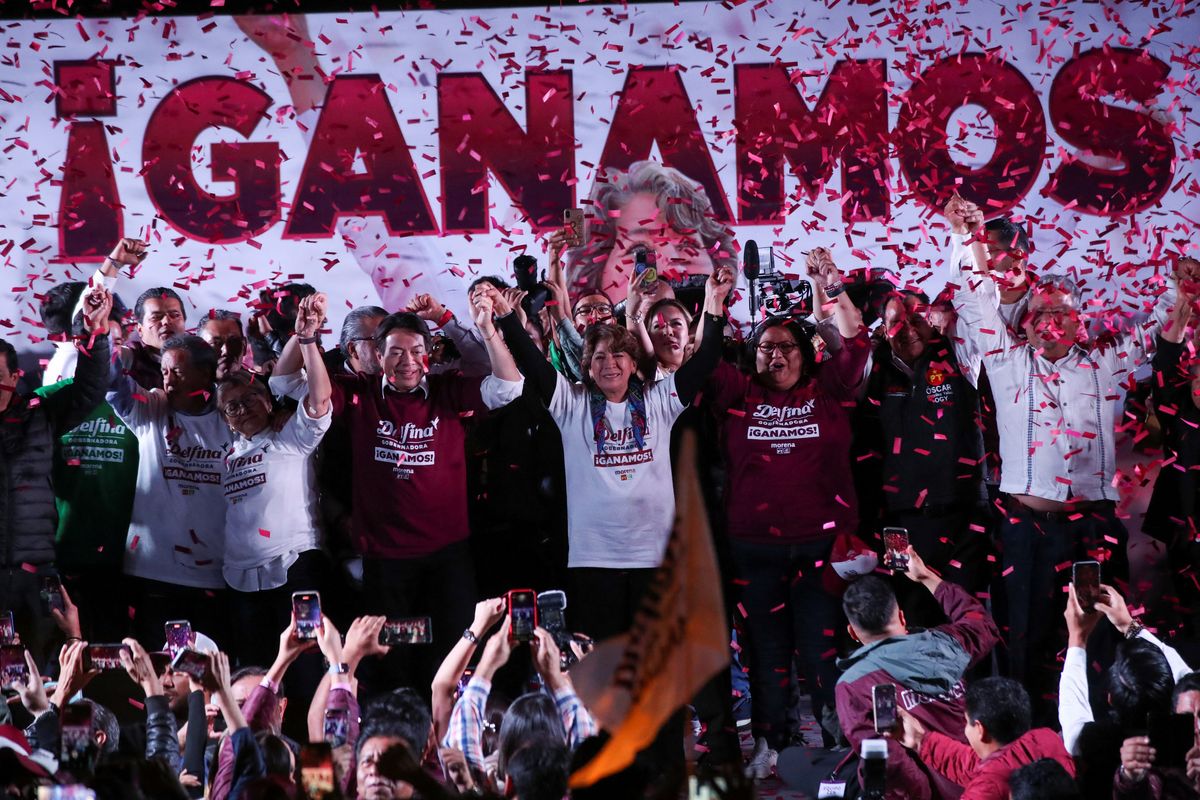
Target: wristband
x=1135, y=628
x=470, y=636
x=449, y=315
x=339, y=669
x=307, y=339
x=834, y=289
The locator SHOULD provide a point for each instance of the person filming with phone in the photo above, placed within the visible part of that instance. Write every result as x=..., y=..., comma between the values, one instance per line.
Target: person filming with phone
x=924, y=668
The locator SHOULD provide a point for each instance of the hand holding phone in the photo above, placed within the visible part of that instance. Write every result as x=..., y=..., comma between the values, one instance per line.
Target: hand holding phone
x=179, y=635
x=8, y=631
x=192, y=663
x=13, y=669
x=573, y=222
x=408, y=630
x=52, y=595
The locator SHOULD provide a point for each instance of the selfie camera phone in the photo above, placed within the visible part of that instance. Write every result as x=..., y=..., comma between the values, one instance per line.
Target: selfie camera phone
x=13, y=668
x=410, y=630
x=895, y=542
x=103, y=657
x=883, y=697
x=306, y=611
x=573, y=222
x=78, y=749
x=8, y=631
x=179, y=635
x=1085, y=575
x=190, y=662
x=52, y=595
x=522, y=614
x=316, y=770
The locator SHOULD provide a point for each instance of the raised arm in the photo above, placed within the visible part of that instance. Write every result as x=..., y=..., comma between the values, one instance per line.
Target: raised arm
x=310, y=315
x=529, y=360
x=970, y=623
x=827, y=277
x=72, y=404
x=472, y=351
x=691, y=377
x=445, y=682
x=487, y=304
x=555, y=277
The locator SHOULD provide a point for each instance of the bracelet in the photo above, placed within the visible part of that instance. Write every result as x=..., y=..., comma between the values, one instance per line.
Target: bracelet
x=834, y=289
x=1135, y=628
x=308, y=339
x=470, y=636
x=449, y=315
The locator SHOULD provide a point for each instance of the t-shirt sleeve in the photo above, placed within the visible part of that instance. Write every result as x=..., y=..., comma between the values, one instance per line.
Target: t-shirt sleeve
x=567, y=397
x=663, y=401
x=137, y=407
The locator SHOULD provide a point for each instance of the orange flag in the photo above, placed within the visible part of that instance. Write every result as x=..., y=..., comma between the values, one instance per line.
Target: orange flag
x=634, y=682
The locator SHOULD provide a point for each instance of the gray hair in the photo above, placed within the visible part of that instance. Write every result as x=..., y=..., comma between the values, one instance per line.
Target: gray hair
x=690, y=211
x=202, y=355
x=353, y=326
x=1061, y=282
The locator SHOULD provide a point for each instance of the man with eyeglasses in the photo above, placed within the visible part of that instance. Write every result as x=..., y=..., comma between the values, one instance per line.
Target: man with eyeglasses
x=1054, y=394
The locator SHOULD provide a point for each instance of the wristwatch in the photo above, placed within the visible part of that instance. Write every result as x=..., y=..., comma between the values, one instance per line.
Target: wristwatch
x=339, y=669
x=470, y=636
x=834, y=289
x=1134, y=629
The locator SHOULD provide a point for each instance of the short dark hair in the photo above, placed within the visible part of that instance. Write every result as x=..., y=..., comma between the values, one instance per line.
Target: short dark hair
x=1002, y=706
x=1188, y=683
x=1008, y=232
x=202, y=354
x=103, y=720
x=619, y=341
x=162, y=292
x=276, y=754
x=494, y=280
x=869, y=603
x=402, y=321
x=10, y=356
x=591, y=293
x=538, y=770
x=401, y=714
x=1139, y=681
x=221, y=315
x=236, y=380
x=800, y=333
x=58, y=306
x=533, y=715
x=1044, y=779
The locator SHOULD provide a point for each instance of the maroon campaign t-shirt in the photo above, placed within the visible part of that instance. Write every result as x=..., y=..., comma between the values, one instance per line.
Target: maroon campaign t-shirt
x=409, y=461
x=787, y=453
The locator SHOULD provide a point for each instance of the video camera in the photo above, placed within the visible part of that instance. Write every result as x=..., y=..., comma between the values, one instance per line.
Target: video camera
x=772, y=292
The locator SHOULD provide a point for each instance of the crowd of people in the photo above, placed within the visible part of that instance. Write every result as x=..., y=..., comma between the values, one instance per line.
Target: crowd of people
x=256, y=487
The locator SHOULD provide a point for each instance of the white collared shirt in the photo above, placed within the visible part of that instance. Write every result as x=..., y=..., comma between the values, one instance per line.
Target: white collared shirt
x=1055, y=418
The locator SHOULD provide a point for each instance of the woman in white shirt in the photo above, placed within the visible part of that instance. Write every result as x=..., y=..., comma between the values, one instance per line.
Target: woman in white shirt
x=272, y=542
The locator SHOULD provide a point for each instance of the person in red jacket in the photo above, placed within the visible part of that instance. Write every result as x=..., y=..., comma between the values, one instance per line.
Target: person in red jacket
x=926, y=667
x=999, y=720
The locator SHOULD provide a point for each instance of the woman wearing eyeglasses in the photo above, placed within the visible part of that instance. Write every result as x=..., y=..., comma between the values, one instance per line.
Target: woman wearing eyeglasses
x=272, y=541
x=785, y=437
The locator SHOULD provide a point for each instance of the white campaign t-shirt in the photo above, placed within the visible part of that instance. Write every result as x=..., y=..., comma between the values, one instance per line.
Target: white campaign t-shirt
x=177, y=531
x=620, y=503
x=271, y=490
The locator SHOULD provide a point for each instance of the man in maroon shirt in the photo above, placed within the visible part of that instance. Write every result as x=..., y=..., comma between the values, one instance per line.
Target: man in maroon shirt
x=408, y=432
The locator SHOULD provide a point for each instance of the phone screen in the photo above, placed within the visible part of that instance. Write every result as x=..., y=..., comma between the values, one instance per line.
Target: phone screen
x=337, y=726
x=573, y=221
x=645, y=265
x=551, y=611
x=316, y=770
x=522, y=610
x=883, y=696
x=52, y=596
x=1085, y=575
x=8, y=631
x=179, y=635
x=191, y=663
x=895, y=542
x=12, y=665
x=104, y=656
x=410, y=630
x=78, y=744
x=306, y=610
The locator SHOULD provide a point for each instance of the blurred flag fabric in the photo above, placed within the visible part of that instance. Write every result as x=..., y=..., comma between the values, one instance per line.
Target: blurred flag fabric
x=679, y=640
